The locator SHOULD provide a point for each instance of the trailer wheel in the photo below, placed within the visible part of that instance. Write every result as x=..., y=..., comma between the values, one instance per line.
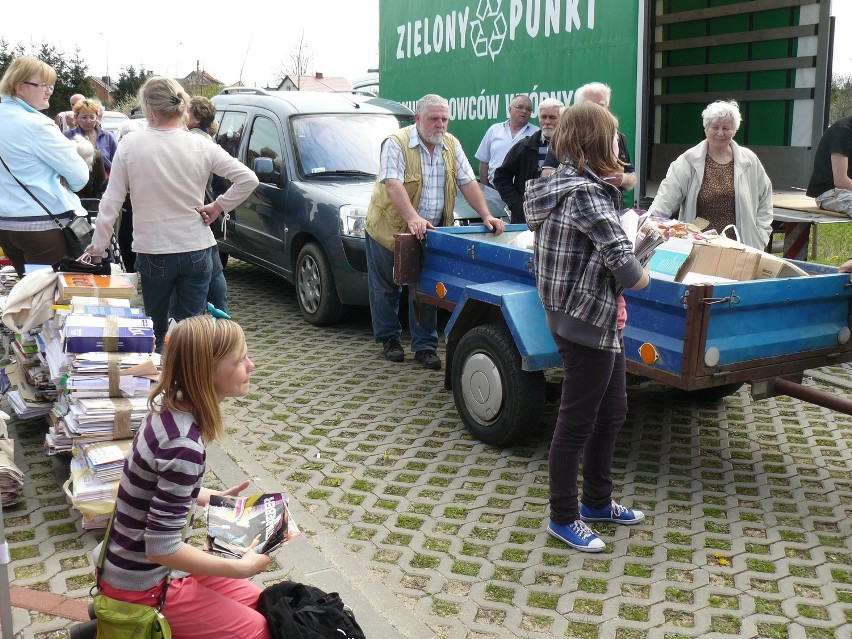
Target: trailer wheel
x=714, y=393
x=497, y=400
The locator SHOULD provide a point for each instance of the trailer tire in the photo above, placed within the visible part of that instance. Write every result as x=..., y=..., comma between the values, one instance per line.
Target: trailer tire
x=499, y=402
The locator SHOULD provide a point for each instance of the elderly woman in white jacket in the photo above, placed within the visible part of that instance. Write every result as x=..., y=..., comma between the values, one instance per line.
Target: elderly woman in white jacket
x=719, y=181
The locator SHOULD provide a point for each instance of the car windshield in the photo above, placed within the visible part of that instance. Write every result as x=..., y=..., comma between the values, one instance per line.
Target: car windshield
x=340, y=143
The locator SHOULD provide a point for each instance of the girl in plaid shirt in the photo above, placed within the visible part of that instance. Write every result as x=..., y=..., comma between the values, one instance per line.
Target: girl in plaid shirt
x=583, y=262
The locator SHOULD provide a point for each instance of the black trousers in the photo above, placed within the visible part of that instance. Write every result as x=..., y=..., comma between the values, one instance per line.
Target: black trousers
x=592, y=411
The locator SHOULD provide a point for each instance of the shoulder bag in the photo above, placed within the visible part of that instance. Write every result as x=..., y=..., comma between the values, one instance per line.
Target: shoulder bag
x=77, y=231
x=122, y=620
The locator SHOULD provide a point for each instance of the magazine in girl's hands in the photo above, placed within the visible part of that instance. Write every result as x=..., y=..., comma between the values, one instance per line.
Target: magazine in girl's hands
x=236, y=525
x=642, y=232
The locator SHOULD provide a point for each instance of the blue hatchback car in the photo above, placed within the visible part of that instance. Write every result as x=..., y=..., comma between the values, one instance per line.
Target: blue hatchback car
x=317, y=156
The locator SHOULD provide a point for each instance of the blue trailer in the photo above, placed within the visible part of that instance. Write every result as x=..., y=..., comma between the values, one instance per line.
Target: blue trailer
x=701, y=338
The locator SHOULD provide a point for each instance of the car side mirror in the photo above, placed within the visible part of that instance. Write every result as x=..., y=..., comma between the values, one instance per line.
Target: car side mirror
x=264, y=168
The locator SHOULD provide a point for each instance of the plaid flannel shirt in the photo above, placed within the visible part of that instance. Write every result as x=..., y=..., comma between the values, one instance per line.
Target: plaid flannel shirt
x=579, y=243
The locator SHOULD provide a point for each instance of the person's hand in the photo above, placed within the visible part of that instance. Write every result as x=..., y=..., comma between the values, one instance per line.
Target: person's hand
x=209, y=212
x=89, y=256
x=846, y=267
x=547, y=171
x=253, y=563
x=235, y=490
x=616, y=179
x=418, y=227
x=494, y=224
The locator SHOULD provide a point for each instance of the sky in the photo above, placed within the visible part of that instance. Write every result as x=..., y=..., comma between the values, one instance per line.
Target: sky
x=172, y=38
x=226, y=40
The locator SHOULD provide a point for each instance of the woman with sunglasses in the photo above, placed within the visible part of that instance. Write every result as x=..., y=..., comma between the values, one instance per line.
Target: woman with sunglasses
x=88, y=113
x=36, y=156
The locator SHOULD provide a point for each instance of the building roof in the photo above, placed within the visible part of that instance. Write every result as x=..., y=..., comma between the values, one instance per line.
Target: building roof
x=316, y=82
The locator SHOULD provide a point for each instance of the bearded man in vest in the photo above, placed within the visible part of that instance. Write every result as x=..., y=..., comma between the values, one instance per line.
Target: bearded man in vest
x=422, y=168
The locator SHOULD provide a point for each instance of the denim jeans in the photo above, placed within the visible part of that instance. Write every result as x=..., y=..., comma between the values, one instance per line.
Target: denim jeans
x=592, y=411
x=217, y=293
x=384, y=303
x=186, y=274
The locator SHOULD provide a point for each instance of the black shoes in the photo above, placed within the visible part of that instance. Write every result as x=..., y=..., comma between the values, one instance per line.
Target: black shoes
x=392, y=350
x=428, y=359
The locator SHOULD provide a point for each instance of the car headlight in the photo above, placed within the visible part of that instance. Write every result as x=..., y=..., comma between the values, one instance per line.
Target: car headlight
x=352, y=220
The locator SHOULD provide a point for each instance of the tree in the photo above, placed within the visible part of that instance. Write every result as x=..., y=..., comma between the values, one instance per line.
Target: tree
x=297, y=64
x=71, y=73
x=128, y=84
x=841, y=97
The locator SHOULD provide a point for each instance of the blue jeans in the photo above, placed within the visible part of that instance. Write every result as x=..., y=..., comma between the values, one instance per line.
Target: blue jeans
x=384, y=303
x=217, y=294
x=186, y=274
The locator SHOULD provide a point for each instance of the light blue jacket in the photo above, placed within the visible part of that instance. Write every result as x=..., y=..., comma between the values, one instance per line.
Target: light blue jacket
x=38, y=155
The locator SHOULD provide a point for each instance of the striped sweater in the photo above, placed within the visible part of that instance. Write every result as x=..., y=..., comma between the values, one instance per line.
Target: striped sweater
x=159, y=484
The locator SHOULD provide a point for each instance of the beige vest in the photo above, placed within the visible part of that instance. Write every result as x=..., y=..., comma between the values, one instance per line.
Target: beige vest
x=383, y=220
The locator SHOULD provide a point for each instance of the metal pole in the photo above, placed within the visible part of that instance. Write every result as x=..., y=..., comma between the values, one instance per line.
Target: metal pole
x=814, y=396
x=8, y=631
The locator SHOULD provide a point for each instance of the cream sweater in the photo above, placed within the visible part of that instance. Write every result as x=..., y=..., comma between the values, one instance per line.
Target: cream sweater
x=165, y=173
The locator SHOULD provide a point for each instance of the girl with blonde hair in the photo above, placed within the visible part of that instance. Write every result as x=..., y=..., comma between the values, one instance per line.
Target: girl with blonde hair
x=208, y=597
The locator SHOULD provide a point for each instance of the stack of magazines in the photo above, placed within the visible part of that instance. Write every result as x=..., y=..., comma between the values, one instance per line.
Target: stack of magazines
x=236, y=525
x=105, y=459
x=642, y=232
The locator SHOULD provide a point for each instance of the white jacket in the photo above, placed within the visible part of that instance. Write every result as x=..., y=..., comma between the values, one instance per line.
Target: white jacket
x=678, y=192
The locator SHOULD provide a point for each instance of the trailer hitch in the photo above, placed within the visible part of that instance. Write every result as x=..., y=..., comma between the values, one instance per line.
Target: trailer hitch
x=780, y=386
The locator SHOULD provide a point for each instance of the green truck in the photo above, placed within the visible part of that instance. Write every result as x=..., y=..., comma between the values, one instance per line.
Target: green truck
x=664, y=59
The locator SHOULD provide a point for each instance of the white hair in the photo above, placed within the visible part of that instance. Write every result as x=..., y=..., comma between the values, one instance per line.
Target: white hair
x=130, y=126
x=550, y=103
x=428, y=100
x=722, y=110
x=85, y=149
x=593, y=87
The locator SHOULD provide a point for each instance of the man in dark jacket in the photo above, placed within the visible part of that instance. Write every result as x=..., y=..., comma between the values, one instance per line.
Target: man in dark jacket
x=523, y=161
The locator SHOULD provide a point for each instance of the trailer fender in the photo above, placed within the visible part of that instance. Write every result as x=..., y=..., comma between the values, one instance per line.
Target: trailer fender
x=520, y=308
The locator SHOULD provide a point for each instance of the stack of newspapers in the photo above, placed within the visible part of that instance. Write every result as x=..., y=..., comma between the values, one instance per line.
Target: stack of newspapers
x=642, y=232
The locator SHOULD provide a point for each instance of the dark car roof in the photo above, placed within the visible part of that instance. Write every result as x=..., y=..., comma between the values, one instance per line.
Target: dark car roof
x=292, y=102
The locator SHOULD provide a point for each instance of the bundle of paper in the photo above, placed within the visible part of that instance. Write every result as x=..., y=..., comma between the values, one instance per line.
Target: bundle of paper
x=86, y=284
x=56, y=442
x=236, y=525
x=87, y=333
x=105, y=459
x=94, y=498
x=11, y=477
x=98, y=419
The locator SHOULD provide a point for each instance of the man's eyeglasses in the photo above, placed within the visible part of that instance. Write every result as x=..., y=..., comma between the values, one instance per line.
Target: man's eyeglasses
x=522, y=108
x=42, y=86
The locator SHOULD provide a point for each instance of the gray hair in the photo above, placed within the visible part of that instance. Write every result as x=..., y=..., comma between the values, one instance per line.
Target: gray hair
x=85, y=149
x=593, y=87
x=722, y=110
x=550, y=103
x=428, y=100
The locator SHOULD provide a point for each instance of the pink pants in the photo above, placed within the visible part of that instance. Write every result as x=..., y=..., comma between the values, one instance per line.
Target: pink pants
x=200, y=607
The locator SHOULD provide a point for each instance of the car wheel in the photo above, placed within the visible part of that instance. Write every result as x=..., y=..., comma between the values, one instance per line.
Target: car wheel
x=499, y=402
x=315, y=288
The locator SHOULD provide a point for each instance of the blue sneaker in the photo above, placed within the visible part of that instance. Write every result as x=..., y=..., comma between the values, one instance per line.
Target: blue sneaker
x=577, y=535
x=614, y=513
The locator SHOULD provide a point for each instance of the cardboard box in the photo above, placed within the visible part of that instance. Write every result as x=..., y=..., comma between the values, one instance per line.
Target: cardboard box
x=678, y=257
x=768, y=265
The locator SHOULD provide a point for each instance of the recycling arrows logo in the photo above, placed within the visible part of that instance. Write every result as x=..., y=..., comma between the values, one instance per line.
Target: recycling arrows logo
x=488, y=31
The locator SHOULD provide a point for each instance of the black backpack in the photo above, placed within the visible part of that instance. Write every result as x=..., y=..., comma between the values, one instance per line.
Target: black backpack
x=298, y=611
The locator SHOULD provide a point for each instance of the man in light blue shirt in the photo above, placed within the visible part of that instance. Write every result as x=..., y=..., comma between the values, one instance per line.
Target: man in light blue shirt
x=502, y=136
